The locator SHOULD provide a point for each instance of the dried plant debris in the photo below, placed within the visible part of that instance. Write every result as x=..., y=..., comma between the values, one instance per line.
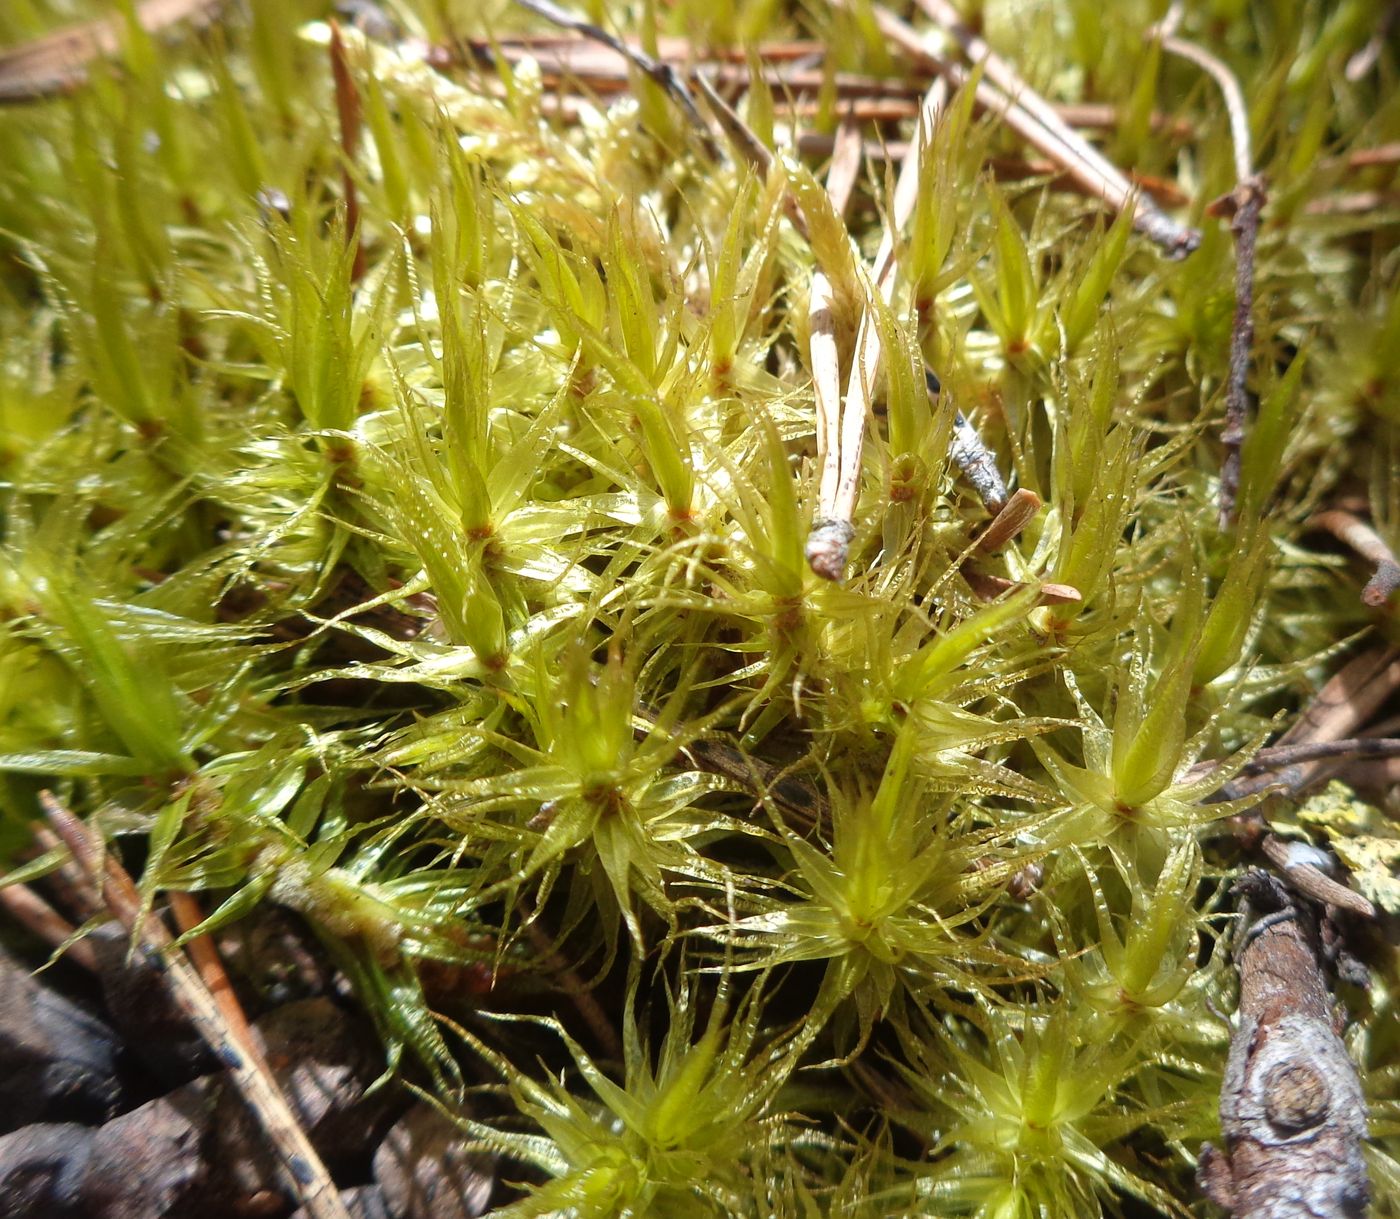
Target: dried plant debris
x=729, y=585
x=1291, y=1107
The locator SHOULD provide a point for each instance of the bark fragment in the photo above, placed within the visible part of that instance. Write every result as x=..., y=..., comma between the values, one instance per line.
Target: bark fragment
x=1291, y=1105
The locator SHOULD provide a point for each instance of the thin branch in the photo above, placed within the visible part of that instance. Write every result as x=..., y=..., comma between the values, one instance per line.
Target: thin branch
x=1323, y=732
x=1349, y=698
x=658, y=70
x=750, y=148
x=310, y=1180
x=1007, y=169
x=1376, y=155
x=1229, y=85
x=1355, y=203
x=1276, y=756
x=1301, y=865
x=1243, y=206
x=204, y=954
x=36, y=916
x=69, y=883
x=1002, y=74
x=1076, y=156
x=808, y=806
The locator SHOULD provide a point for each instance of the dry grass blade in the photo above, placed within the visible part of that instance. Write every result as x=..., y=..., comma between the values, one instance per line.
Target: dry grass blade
x=1349, y=698
x=1090, y=169
x=826, y=389
x=829, y=542
x=1368, y=158
x=57, y=63
x=751, y=150
x=1002, y=74
x=1355, y=203
x=845, y=165
x=310, y=1180
x=659, y=70
x=823, y=352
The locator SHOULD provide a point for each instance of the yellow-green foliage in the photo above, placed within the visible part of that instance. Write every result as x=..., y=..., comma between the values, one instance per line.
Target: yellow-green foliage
x=459, y=605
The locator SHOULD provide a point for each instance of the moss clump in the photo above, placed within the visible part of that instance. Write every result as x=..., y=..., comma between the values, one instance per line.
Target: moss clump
x=409, y=531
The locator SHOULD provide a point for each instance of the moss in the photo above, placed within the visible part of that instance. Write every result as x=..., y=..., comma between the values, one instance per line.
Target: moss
x=432, y=564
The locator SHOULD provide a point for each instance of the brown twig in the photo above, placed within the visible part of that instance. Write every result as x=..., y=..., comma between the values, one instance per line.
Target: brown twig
x=57, y=63
x=605, y=70
x=1348, y=699
x=1333, y=716
x=752, y=151
x=1010, y=169
x=34, y=914
x=1243, y=206
x=1353, y=203
x=1356, y=533
x=657, y=69
x=204, y=954
x=1301, y=865
x=1377, y=155
x=310, y=1180
x=69, y=883
x=794, y=796
x=1278, y=756
x=1291, y=1106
